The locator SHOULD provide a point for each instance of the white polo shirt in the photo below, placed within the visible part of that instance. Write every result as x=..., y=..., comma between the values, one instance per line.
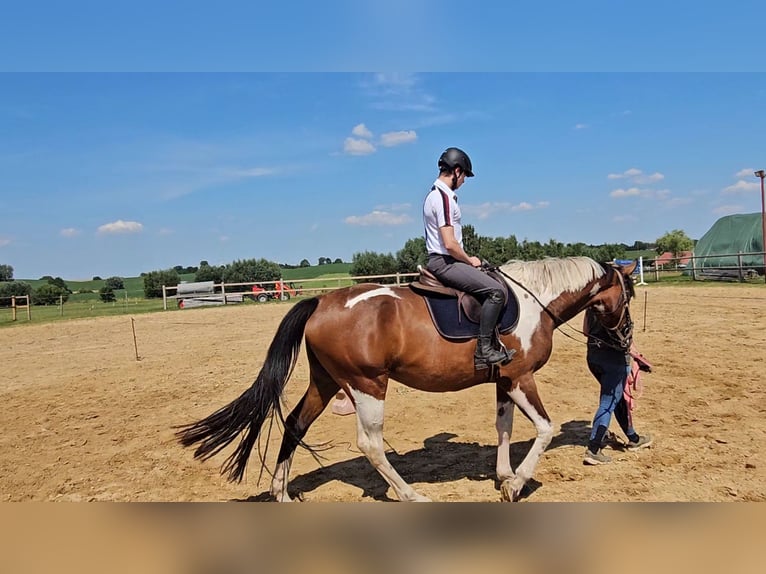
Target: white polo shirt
x=440, y=209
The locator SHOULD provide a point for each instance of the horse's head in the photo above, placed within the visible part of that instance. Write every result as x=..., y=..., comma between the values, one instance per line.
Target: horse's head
x=613, y=299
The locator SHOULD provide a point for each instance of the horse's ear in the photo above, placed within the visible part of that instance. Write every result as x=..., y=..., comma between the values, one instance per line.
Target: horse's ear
x=627, y=270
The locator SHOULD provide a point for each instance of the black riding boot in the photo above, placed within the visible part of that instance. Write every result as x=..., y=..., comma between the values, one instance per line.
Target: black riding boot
x=486, y=354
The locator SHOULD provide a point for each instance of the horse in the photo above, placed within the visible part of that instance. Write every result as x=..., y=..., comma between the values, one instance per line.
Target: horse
x=359, y=337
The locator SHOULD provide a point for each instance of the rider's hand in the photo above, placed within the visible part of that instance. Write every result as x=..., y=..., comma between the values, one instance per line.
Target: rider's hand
x=475, y=261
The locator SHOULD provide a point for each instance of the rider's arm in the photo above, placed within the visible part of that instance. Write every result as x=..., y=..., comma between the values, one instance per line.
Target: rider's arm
x=447, y=233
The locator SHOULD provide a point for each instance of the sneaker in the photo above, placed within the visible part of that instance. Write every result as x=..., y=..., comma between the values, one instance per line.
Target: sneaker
x=595, y=457
x=642, y=442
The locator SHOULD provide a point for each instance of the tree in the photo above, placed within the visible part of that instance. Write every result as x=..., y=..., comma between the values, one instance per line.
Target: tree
x=338, y=260
x=250, y=271
x=11, y=289
x=411, y=255
x=471, y=241
x=97, y=278
x=305, y=263
x=114, y=283
x=154, y=280
x=6, y=273
x=107, y=294
x=58, y=282
x=371, y=263
x=674, y=241
x=209, y=272
x=49, y=294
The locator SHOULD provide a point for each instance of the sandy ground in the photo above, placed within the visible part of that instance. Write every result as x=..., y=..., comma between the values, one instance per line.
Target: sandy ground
x=83, y=420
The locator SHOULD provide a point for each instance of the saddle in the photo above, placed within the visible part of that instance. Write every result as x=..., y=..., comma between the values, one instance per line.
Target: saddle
x=456, y=314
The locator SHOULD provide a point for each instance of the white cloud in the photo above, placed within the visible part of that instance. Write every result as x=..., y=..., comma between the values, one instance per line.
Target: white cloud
x=121, y=226
x=390, y=139
x=677, y=202
x=624, y=218
x=250, y=172
x=727, y=209
x=355, y=146
x=747, y=172
x=523, y=206
x=393, y=207
x=630, y=192
x=4, y=242
x=742, y=186
x=165, y=231
x=223, y=238
x=485, y=210
x=69, y=232
x=581, y=126
x=399, y=92
x=379, y=218
x=635, y=175
x=360, y=130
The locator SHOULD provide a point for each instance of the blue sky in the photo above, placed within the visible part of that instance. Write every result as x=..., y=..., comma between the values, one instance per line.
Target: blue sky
x=137, y=136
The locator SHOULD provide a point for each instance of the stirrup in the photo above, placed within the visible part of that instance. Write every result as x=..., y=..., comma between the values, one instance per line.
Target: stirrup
x=481, y=363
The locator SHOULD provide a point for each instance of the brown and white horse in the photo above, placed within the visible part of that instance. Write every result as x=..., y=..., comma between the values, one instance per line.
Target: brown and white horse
x=359, y=337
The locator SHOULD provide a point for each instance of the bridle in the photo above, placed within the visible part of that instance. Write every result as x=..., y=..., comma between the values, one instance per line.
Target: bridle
x=621, y=330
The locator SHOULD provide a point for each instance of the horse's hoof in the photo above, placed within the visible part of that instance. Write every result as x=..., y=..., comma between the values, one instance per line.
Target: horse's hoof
x=510, y=493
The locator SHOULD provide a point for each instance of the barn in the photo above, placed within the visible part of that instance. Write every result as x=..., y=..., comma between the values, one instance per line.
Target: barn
x=731, y=234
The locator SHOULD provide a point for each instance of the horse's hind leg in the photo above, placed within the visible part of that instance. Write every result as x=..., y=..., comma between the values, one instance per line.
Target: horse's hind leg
x=321, y=390
x=526, y=397
x=369, y=420
x=504, y=426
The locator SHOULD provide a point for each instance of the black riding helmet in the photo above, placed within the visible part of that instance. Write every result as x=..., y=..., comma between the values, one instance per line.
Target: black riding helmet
x=454, y=157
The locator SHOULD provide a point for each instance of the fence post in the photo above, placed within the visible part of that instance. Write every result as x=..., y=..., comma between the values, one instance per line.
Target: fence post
x=61, y=305
x=223, y=291
x=13, y=307
x=739, y=266
x=693, y=261
x=164, y=298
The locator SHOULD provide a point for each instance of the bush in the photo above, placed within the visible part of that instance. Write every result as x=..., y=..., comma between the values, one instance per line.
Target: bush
x=14, y=288
x=115, y=283
x=154, y=280
x=106, y=294
x=49, y=294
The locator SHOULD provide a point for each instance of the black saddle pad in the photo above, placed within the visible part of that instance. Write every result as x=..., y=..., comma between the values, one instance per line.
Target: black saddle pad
x=452, y=323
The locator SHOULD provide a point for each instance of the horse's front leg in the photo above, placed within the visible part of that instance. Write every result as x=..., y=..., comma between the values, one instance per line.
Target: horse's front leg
x=504, y=426
x=526, y=397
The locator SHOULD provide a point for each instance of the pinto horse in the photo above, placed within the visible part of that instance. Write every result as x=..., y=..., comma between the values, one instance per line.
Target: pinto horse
x=359, y=337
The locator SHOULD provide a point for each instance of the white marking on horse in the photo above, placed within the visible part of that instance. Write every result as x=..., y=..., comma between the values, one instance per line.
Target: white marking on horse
x=369, y=438
x=369, y=294
x=279, y=481
x=548, y=280
x=543, y=439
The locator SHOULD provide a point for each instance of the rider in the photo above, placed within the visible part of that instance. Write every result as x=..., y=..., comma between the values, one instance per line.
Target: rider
x=451, y=264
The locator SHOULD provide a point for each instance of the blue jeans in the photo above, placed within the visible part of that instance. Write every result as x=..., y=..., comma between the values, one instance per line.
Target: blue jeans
x=611, y=375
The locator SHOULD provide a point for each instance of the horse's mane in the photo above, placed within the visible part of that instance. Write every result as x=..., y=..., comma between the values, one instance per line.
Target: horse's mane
x=554, y=275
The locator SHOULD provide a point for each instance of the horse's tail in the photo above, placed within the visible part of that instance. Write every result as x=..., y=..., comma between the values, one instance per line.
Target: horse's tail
x=249, y=411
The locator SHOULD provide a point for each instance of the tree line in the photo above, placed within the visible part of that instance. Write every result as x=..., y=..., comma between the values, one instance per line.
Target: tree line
x=494, y=250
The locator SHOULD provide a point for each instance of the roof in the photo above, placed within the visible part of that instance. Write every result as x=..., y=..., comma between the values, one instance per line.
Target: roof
x=668, y=259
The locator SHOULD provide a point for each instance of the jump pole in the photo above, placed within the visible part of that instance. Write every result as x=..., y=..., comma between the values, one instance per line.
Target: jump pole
x=641, y=271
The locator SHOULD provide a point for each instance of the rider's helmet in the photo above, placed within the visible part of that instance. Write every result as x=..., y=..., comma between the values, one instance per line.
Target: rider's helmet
x=454, y=157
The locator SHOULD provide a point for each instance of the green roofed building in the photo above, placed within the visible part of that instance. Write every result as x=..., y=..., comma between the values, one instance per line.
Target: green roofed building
x=728, y=236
